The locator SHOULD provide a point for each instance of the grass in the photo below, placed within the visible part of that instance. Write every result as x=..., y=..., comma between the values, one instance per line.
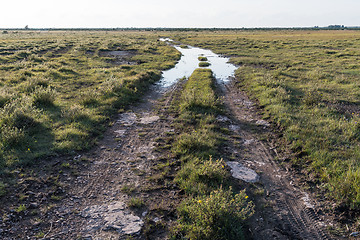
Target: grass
x=308, y=83
x=212, y=209
x=136, y=203
x=58, y=91
x=204, y=64
x=202, y=58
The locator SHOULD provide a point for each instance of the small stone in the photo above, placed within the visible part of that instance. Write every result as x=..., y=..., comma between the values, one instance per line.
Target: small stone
x=112, y=216
x=234, y=128
x=221, y=118
x=238, y=171
x=263, y=123
x=354, y=234
x=33, y=205
x=87, y=237
x=148, y=120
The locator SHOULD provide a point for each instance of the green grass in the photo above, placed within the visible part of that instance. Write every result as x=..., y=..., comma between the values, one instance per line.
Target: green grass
x=204, y=64
x=58, y=91
x=212, y=210
x=136, y=203
x=308, y=83
x=202, y=58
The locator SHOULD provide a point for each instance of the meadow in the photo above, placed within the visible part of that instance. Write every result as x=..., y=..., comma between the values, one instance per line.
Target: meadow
x=60, y=90
x=308, y=85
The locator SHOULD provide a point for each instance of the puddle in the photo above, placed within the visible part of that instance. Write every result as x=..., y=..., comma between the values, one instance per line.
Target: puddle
x=117, y=53
x=166, y=40
x=222, y=70
x=238, y=171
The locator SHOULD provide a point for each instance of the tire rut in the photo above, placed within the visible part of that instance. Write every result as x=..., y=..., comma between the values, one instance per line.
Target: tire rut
x=125, y=158
x=286, y=212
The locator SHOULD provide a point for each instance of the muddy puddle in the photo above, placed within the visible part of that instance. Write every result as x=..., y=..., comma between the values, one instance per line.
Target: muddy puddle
x=222, y=69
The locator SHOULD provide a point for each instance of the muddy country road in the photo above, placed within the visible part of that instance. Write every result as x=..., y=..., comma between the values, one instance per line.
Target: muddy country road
x=122, y=171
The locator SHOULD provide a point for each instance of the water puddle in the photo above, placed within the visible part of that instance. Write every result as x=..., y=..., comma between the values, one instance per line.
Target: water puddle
x=220, y=66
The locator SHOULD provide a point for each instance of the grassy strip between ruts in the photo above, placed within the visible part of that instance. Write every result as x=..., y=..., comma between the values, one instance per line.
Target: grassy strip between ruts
x=212, y=210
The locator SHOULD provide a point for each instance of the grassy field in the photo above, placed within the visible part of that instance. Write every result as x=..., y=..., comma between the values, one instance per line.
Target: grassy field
x=212, y=210
x=308, y=83
x=59, y=90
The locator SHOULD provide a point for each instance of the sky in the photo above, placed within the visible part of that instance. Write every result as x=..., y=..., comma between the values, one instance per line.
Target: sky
x=184, y=13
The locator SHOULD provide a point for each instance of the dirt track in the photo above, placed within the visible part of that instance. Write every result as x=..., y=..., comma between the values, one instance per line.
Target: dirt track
x=283, y=210
x=125, y=167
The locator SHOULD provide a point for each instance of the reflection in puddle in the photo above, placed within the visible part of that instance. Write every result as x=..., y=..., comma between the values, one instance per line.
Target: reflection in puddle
x=222, y=70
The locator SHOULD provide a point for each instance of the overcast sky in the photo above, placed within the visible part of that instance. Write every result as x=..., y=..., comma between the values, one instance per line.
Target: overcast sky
x=184, y=13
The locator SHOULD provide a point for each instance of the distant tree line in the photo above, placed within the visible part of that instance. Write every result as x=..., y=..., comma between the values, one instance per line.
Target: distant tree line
x=330, y=27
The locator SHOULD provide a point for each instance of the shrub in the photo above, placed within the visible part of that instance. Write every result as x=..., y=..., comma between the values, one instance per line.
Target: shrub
x=18, y=113
x=5, y=96
x=43, y=96
x=202, y=176
x=219, y=215
x=89, y=98
x=201, y=143
x=136, y=203
x=33, y=83
x=312, y=97
x=74, y=113
x=2, y=189
x=11, y=137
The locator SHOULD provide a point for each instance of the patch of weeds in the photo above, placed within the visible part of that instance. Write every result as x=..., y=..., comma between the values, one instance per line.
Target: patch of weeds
x=136, y=203
x=3, y=190
x=56, y=197
x=20, y=208
x=66, y=165
x=43, y=96
x=219, y=215
x=142, y=134
x=202, y=176
x=138, y=172
x=40, y=235
x=128, y=189
x=204, y=64
x=202, y=59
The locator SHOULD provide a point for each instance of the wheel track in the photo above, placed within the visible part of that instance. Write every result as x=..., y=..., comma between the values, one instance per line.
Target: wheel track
x=292, y=217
